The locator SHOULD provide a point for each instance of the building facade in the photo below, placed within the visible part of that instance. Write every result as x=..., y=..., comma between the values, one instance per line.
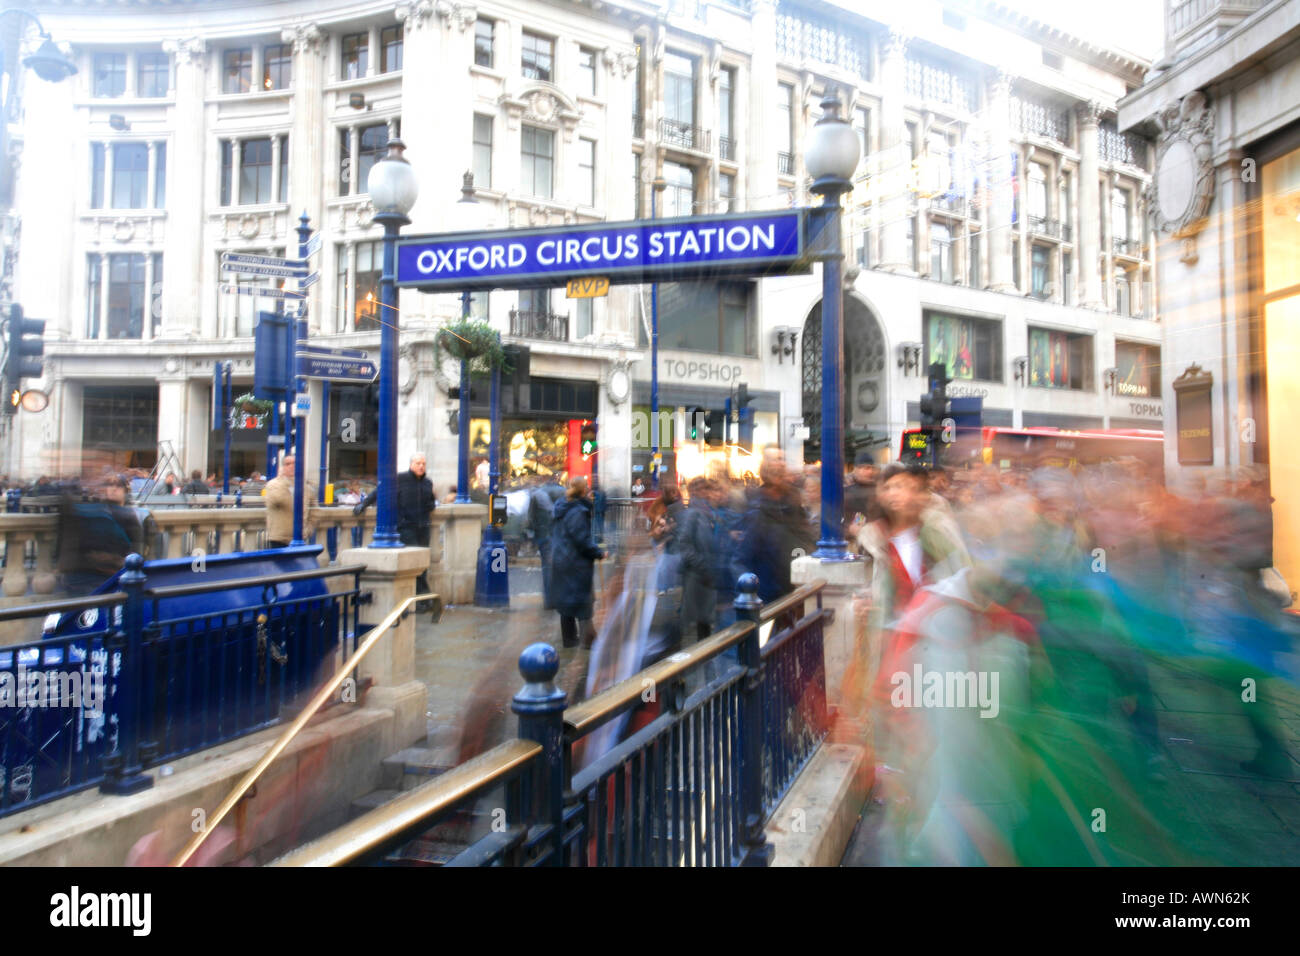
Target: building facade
x=1223, y=105
x=997, y=222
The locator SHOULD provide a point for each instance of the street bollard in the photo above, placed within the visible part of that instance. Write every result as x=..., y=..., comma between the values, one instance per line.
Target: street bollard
x=755, y=850
x=540, y=708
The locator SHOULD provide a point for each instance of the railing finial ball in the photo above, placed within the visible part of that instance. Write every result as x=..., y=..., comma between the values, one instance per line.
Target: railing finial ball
x=539, y=663
x=133, y=562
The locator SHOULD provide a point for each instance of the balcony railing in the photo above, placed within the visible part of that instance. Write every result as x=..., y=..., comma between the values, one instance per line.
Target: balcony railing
x=1116, y=147
x=531, y=324
x=1051, y=228
x=1127, y=247
x=785, y=164
x=952, y=205
x=638, y=126
x=726, y=148
x=683, y=135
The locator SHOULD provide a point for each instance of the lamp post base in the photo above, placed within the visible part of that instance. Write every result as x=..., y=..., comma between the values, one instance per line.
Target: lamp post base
x=492, y=573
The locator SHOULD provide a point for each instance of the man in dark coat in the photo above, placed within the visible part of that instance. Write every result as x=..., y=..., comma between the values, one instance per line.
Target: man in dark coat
x=573, y=560
x=860, y=495
x=695, y=545
x=776, y=530
x=415, y=504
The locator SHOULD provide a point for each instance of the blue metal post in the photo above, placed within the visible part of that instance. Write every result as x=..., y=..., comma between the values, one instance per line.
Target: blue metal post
x=122, y=697
x=271, y=459
x=324, y=441
x=492, y=574
x=462, y=420
x=300, y=385
x=540, y=708
x=386, y=517
x=831, y=546
x=756, y=851
x=654, y=357
x=225, y=461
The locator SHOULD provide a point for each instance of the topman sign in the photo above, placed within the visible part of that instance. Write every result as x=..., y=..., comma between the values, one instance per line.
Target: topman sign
x=640, y=251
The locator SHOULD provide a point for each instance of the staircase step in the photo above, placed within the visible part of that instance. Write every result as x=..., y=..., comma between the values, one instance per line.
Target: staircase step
x=413, y=766
x=370, y=801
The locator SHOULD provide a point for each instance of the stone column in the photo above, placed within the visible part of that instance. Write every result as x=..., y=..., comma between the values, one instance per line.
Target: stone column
x=307, y=145
x=183, y=284
x=760, y=152
x=892, y=163
x=999, y=184
x=422, y=68
x=1089, y=219
x=390, y=577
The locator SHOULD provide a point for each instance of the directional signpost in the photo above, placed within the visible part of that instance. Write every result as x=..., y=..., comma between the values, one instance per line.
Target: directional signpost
x=263, y=266
x=321, y=364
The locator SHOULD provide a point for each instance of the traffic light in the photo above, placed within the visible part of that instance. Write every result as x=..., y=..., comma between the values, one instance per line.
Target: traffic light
x=24, y=360
x=934, y=403
x=698, y=426
x=715, y=425
x=744, y=418
x=589, y=445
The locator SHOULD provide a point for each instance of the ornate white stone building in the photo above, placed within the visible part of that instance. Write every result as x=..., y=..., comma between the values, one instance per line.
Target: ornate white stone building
x=1223, y=104
x=998, y=217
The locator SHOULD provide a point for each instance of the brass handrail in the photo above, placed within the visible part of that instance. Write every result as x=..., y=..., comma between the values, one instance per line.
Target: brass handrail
x=389, y=823
x=318, y=701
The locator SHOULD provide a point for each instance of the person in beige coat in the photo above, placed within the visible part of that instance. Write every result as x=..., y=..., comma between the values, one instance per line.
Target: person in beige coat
x=279, y=507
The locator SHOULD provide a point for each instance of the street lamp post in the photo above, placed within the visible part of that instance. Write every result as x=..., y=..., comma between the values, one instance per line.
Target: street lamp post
x=656, y=187
x=831, y=157
x=393, y=191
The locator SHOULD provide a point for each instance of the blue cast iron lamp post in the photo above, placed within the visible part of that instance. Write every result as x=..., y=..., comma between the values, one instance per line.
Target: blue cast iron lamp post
x=831, y=157
x=393, y=191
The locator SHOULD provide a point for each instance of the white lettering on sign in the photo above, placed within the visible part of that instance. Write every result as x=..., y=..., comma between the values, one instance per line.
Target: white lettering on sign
x=702, y=371
x=1143, y=408
x=1128, y=388
x=967, y=391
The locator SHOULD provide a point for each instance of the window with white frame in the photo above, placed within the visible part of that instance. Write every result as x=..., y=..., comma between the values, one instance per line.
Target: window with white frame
x=121, y=175
x=356, y=295
x=941, y=257
x=238, y=311
x=785, y=128
x=537, y=57
x=152, y=75
x=123, y=294
x=391, y=40
x=679, y=95
x=277, y=66
x=727, y=192
x=237, y=70
x=537, y=161
x=1037, y=191
x=587, y=70
x=255, y=170
x=360, y=147
x=354, y=60
x=482, y=151
x=1119, y=214
x=583, y=311
x=484, y=53
x=727, y=113
x=586, y=189
x=109, y=75
x=679, y=197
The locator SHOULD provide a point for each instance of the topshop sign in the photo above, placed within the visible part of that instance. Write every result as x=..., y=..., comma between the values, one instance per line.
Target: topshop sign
x=639, y=251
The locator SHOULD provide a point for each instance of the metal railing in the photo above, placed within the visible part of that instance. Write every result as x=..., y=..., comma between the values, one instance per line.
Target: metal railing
x=318, y=700
x=726, y=148
x=683, y=135
x=169, y=679
x=533, y=324
x=785, y=164
x=691, y=783
x=1116, y=147
x=1127, y=247
x=1051, y=228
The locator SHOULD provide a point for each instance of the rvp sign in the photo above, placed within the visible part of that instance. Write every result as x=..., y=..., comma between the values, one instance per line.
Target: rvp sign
x=592, y=288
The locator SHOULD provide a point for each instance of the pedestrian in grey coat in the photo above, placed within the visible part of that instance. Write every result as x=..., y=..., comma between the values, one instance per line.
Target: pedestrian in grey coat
x=695, y=542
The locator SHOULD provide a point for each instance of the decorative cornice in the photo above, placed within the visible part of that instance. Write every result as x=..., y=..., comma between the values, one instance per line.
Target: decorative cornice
x=542, y=104
x=619, y=61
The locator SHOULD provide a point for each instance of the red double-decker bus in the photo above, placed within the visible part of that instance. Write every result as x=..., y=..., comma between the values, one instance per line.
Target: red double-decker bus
x=1034, y=447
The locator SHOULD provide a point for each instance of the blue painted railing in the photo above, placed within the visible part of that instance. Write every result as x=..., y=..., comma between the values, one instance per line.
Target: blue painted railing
x=692, y=785
x=169, y=683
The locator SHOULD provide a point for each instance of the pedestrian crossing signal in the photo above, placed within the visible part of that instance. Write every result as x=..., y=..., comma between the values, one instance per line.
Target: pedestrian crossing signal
x=588, y=440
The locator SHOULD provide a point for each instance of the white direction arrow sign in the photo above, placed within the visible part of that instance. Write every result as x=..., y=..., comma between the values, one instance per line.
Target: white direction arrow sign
x=247, y=259
x=313, y=245
x=306, y=282
x=259, y=290
x=276, y=272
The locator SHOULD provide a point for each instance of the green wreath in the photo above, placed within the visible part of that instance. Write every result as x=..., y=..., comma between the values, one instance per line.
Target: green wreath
x=476, y=342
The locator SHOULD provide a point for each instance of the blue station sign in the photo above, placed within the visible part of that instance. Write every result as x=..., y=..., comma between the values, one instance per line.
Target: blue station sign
x=766, y=243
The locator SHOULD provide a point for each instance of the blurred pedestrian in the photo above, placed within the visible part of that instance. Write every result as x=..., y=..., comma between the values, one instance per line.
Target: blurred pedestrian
x=573, y=558
x=541, y=519
x=279, y=507
x=776, y=530
x=196, y=485
x=860, y=494
x=695, y=545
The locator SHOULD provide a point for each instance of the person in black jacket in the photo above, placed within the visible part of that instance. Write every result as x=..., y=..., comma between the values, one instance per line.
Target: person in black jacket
x=573, y=560
x=695, y=543
x=540, y=520
x=415, y=504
